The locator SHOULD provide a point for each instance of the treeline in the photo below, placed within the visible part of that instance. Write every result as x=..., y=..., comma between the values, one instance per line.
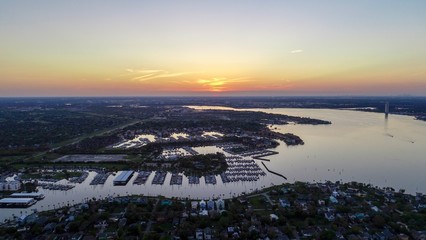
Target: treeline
x=40, y=128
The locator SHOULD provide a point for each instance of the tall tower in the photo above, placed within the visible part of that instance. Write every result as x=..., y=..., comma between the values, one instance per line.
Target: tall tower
x=387, y=108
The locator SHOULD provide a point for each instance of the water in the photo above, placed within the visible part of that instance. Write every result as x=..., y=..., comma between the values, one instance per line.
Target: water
x=357, y=146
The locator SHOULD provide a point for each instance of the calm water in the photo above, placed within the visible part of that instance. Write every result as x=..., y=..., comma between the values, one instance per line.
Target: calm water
x=357, y=146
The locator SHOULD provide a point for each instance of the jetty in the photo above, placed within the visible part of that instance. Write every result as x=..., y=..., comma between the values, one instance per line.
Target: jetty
x=267, y=169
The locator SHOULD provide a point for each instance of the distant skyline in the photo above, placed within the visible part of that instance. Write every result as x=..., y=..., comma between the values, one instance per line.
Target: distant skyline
x=212, y=48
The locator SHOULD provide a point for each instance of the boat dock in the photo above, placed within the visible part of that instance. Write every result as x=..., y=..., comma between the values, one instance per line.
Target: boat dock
x=176, y=179
x=159, y=178
x=241, y=169
x=52, y=186
x=35, y=195
x=123, y=178
x=79, y=179
x=100, y=179
x=194, y=180
x=210, y=179
x=142, y=177
x=17, y=202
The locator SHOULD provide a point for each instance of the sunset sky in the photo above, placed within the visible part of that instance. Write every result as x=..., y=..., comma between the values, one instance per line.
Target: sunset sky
x=145, y=48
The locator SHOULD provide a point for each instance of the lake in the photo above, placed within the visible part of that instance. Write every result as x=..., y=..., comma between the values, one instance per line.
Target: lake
x=357, y=146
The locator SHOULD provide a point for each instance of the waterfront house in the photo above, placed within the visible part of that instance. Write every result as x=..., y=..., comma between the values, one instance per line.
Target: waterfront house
x=202, y=205
x=220, y=204
x=210, y=205
x=194, y=205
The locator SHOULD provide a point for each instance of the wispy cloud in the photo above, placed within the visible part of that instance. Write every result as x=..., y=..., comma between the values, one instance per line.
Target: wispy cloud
x=143, y=75
x=296, y=51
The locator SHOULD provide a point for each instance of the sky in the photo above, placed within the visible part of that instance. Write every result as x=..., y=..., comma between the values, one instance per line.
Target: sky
x=214, y=48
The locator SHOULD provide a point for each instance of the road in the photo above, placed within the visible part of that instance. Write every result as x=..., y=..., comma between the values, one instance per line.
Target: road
x=78, y=139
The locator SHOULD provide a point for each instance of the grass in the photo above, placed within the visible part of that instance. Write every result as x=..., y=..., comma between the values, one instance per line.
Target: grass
x=257, y=202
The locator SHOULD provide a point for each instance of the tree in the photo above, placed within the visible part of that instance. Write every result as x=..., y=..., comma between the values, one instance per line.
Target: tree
x=327, y=235
x=379, y=221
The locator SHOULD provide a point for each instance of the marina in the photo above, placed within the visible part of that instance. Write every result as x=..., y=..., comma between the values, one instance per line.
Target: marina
x=241, y=169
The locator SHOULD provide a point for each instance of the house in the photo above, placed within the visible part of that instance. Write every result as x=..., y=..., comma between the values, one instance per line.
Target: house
x=329, y=216
x=204, y=213
x=194, y=205
x=374, y=208
x=202, y=205
x=284, y=203
x=210, y=205
x=220, y=204
x=308, y=233
x=273, y=217
x=199, y=234
x=333, y=200
x=208, y=233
